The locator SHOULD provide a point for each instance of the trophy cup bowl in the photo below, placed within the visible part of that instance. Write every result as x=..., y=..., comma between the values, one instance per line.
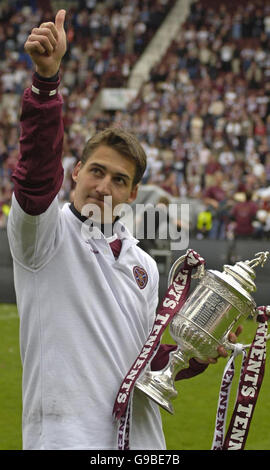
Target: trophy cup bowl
x=220, y=301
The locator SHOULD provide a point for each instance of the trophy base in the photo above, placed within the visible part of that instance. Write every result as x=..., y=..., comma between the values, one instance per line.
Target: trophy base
x=156, y=393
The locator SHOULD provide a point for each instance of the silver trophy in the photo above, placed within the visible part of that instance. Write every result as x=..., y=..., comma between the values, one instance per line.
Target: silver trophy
x=220, y=302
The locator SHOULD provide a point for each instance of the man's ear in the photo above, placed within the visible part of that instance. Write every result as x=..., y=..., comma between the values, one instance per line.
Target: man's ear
x=76, y=171
x=133, y=193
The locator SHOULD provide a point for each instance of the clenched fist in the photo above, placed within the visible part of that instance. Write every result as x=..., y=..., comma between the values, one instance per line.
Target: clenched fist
x=46, y=45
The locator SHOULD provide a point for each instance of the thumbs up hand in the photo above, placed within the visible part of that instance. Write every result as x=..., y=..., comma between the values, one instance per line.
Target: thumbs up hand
x=46, y=45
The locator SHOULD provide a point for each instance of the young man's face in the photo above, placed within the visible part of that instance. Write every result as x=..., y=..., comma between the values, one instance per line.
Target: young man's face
x=105, y=173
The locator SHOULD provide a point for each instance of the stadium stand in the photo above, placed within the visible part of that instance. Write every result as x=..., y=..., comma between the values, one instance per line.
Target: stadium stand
x=204, y=108
x=202, y=113
x=104, y=41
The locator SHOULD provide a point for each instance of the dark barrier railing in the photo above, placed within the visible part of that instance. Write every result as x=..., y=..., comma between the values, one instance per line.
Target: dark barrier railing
x=7, y=291
x=216, y=253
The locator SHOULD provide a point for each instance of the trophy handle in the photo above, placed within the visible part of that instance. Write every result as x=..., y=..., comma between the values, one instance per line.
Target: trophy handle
x=233, y=346
x=173, y=271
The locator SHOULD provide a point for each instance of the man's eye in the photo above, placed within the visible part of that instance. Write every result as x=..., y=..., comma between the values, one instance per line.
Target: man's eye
x=96, y=171
x=120, y=180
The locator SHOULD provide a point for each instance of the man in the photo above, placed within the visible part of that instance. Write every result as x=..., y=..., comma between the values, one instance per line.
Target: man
x=215, y=198
x=244, y=213
x=84, y=316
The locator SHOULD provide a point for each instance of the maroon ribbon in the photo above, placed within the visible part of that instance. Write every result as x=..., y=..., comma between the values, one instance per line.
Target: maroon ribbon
x=251, y=377
x=249, y=388
x=174, y=299
x=224, y=395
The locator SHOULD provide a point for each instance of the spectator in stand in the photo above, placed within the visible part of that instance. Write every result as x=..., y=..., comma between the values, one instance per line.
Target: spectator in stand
x=170, y=184
x=243, y=214
x=226, y=159
x=215, y=198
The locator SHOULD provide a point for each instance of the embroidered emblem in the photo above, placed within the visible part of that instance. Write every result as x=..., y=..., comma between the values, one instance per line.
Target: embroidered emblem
x=141, y=276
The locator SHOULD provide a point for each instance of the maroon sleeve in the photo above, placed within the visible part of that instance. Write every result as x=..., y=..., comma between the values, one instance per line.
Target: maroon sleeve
x=161, y=359
x=208, y=193
x=38, y=175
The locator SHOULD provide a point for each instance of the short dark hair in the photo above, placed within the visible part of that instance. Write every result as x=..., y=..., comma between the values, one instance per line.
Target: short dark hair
x=124, y=142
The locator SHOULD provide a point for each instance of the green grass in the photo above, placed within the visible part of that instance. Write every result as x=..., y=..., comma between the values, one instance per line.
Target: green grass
x=192, y=425
x=10, y=379
x=190, y=428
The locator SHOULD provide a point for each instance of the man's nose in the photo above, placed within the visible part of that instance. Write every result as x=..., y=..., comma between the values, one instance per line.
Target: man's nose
x=104, y=186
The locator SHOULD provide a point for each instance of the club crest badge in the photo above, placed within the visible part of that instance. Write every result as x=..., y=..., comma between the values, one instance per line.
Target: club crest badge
x=141, y=276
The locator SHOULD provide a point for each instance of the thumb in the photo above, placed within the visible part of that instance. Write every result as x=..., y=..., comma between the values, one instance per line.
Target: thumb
x=60, y=19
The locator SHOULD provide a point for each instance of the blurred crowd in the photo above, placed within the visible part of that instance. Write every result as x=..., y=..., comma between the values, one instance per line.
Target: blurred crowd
x=203, y=117
x=105, y=38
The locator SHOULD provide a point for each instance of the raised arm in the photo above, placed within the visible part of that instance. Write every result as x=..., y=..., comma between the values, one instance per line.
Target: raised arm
x=38, y=175
x=46, y=45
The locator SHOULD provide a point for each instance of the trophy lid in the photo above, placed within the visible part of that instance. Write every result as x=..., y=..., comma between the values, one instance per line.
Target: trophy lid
x=243, y=271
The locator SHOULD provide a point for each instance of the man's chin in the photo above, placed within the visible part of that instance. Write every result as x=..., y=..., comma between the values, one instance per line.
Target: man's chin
x=97, y=210
x=93, y=200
